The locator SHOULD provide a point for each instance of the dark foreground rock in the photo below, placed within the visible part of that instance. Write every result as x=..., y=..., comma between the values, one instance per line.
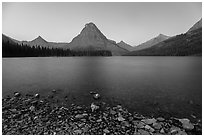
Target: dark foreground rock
x=32, y=115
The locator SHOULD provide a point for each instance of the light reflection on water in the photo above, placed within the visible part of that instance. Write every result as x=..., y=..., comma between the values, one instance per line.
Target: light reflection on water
x=148, y=85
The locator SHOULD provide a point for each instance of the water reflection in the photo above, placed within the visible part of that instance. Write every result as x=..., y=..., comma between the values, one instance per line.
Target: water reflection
x=149, y=85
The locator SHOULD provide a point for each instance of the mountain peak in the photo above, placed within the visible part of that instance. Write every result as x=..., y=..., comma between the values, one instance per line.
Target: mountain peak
x=91, y=38
x=90, y=24
x=122, y=41
x=39, y=37
x=152, y=42
x=162, y=36
x=91, y=31
x=90, y=27
x=39, y=40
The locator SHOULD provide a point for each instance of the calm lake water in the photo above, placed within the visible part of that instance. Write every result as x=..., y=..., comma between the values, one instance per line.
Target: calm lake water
x=168, y=86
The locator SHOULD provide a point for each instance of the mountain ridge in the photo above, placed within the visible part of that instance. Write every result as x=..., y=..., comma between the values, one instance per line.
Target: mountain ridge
x=151, y=42
x=91, y=38
x=126, y=46
x=189, y=43
x=197, y=25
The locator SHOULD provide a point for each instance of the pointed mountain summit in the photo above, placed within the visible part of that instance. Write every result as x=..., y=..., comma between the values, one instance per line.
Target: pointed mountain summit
x=91, y=38
x=124, y=45
x=39, y=38
x=196, y=26
x=90, y=30
x=151, y=42
x=39, y=41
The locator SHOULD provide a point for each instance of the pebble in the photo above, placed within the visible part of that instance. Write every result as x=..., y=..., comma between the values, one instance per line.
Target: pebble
x=78, y=107
x=81, y=124
x=112, y=112
x=35, y=102
x=125, y=123
x=92, y=92
x=181, y=133
x=143, y=132
x=99, y=120
x=83, y=120
x=79, y=116
x=120, y=118
x=94, y=107
x=13, y=110
x=174, y=130
x=36, y=117
x=32, y=108
x=149, y=128
x=193, y=116
x=186, y=124
x=16, y=94
x=85, y=114
x=106, y=131
x=162, y=131
x=37, y=96
x=138, y=117
x=130, y=118
x=78, y=132
x=136, y=133
x=91, y=118
x=157, y=126
x=96, y=96
x=176, y=122
x=140, y=125
x=149, y=121
x=161, y=119
x=54, y=91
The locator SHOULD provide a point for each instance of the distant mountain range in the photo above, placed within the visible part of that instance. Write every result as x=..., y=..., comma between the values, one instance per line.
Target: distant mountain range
x=189, y=43
x=151, y=42
x=91, y=39
x=39, y=41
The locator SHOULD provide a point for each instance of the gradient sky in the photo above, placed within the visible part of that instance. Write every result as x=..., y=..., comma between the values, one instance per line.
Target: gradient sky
x=133, y=23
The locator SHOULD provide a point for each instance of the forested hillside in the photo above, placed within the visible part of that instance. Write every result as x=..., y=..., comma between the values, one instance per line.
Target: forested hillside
x=180, y=45
x=15, y=50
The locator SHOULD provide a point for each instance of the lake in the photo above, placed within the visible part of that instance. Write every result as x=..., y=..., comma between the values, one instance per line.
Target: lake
x=154, y=86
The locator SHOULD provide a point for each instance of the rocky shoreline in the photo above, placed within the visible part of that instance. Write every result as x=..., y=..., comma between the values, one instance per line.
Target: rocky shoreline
x=35, y=115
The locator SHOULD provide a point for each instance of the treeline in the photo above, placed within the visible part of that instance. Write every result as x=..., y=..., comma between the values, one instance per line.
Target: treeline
x=180, y=45
x=16, y=50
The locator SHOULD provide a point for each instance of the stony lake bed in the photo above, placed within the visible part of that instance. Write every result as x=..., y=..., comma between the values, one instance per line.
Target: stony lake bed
x=36, y=115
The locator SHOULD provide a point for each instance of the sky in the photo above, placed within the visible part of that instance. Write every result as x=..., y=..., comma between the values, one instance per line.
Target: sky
x=134, y=22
